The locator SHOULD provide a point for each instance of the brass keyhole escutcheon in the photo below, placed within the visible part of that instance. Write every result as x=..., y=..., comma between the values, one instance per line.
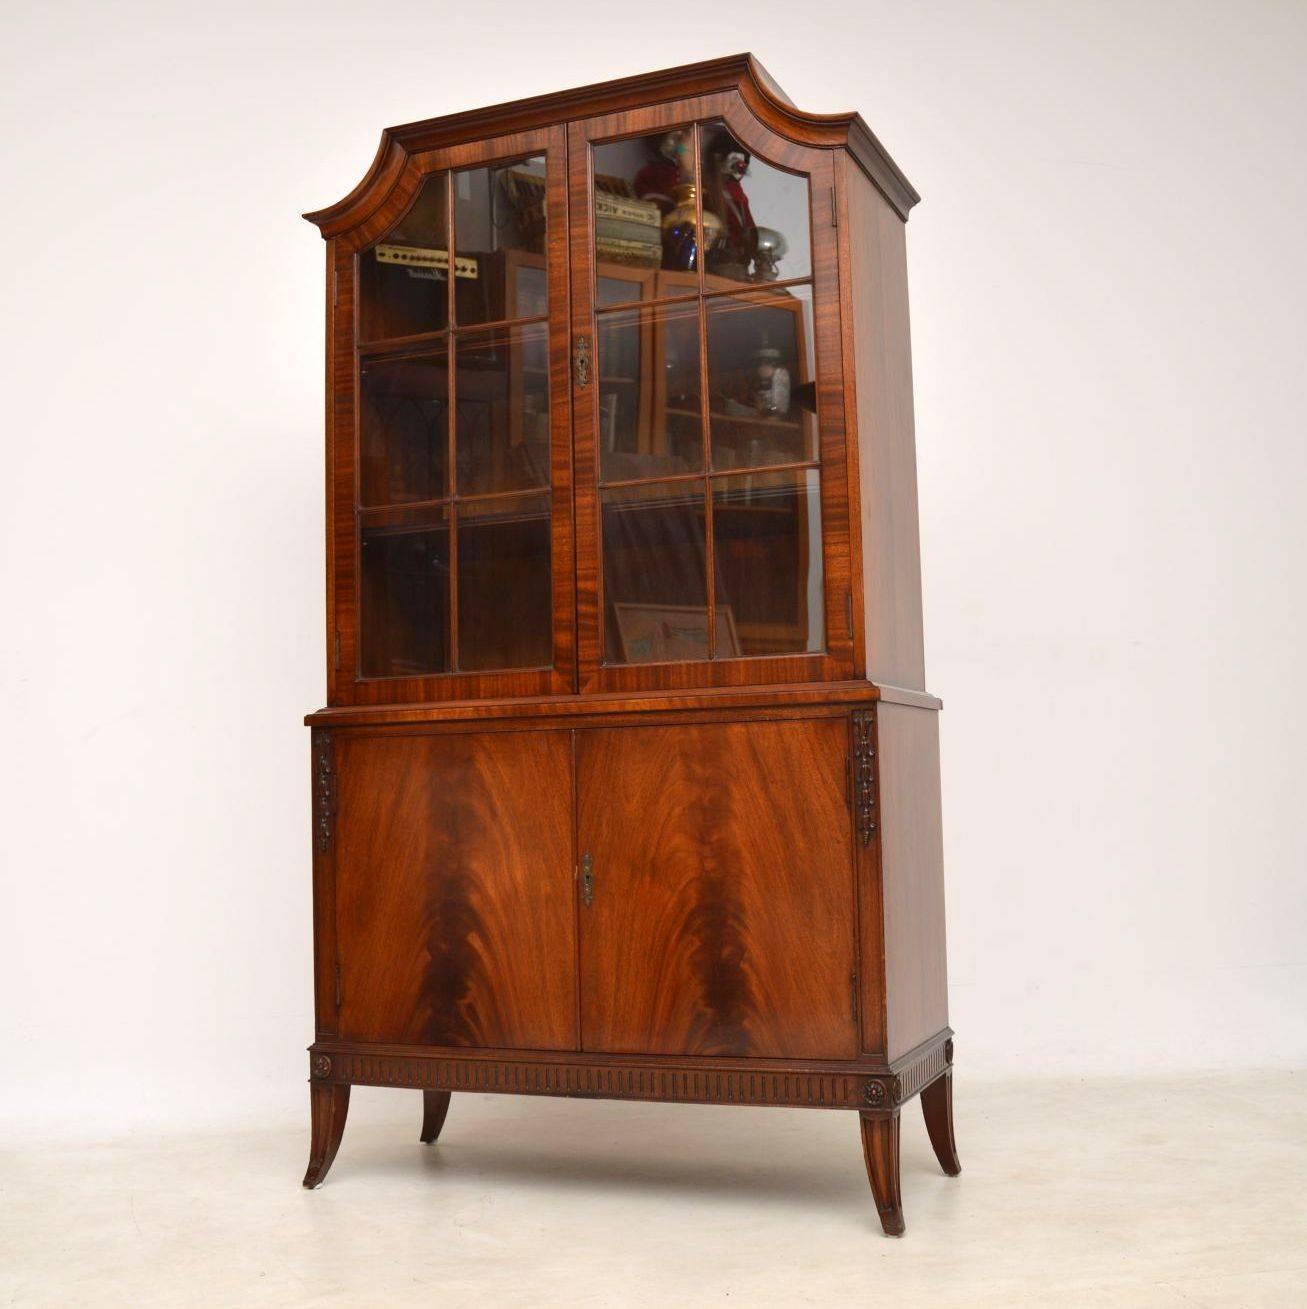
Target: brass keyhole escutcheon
x=581, y=361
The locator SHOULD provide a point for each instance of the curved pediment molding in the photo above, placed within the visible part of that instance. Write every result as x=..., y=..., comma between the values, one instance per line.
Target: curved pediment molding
x=742, y=73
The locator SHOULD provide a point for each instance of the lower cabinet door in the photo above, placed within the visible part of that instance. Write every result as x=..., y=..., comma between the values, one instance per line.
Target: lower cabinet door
x=455, y=905
x=716, y=862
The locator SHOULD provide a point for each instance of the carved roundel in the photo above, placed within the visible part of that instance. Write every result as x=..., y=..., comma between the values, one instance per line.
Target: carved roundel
x=321, y=1066
x=886, y=1092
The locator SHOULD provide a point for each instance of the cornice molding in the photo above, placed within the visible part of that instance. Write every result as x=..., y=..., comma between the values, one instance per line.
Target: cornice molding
x=742, y=73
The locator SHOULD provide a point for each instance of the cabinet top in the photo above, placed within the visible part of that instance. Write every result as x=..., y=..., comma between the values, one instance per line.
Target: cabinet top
x=742, y=73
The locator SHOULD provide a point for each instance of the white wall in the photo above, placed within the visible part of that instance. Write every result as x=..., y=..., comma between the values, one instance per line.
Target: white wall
x=1108, y=294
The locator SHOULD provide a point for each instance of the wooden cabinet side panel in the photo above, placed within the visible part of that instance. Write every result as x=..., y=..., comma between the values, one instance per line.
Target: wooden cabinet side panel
x=455, y=909
x=722, y=919
x=887, y=464
x=912, y=872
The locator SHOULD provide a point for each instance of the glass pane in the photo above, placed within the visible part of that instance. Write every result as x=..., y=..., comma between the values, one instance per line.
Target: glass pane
x=403, y=286
x=767, y=542
x=655, y=587
x=403, y=429
x=763, y=212
x=404, y=602
x=761, y=394
x=617, y=290
x=505, y=614
x=529, y=294
x=650, y=421
x=501, y=401
x=499, y=237
x=644, y=202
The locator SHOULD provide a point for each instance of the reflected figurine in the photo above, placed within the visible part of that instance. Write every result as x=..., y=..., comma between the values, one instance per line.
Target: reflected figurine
x=725, y=164
x=668, y=180
x=771, y=381
x=670, y=165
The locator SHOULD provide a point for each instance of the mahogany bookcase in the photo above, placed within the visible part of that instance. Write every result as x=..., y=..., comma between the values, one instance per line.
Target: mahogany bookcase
x=628, y=780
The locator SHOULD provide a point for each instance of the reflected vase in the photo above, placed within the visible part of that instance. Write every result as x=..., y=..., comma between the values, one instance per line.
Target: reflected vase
x=682, y=241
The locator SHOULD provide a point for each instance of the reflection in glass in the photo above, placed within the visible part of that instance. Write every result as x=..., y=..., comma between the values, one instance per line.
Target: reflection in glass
x=499, y=237
x=403, y=429
x=650, y=422
x=655, y=587
x=767, y=543
x=761, y=396
x=501, y=398
x=764, y=213
x=613, y=290
x=529, y=295
x=404, y=601
x=403, y=279
x=504, y=602
x=637, y=186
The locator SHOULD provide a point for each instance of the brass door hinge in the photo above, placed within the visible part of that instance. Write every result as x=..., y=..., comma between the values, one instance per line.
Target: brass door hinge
x=587, y=879
x=338, y=991
x=335, y=650
x=834, y=207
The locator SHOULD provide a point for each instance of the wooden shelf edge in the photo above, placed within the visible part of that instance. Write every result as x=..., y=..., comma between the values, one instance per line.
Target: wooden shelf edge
x=651, y=702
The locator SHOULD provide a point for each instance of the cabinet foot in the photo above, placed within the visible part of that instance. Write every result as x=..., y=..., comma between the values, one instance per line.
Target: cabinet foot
x=880, y=1148
x=937, y=1107
x=435, y=1105
x=329, y=1104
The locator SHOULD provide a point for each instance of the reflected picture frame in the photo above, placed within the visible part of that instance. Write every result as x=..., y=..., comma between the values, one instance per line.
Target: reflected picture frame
x=655, y=634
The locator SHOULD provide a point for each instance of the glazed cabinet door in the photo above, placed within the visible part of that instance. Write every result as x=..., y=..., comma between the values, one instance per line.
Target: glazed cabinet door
x=717, y=897
x=450, y=511
x=455, y=920
x=711, y=477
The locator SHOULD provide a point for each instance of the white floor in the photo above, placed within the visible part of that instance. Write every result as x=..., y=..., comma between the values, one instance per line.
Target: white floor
x=1181, y=1193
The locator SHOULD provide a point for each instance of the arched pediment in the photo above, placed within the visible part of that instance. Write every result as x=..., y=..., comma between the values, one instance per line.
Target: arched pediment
x=741, y=73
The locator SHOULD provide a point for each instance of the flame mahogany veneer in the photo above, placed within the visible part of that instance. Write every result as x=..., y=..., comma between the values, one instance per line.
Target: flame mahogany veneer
x=715, y=882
